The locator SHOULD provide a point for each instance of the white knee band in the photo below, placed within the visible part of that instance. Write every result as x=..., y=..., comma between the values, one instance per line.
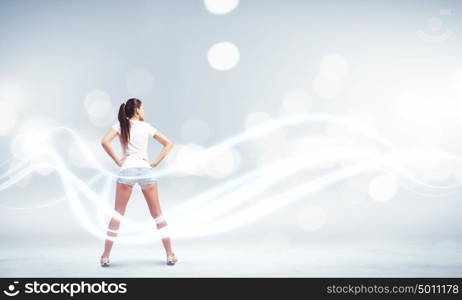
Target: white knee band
x=163, y=232
x=111, y=234
x=116, y=215
x=159, y=219
x=110, y=237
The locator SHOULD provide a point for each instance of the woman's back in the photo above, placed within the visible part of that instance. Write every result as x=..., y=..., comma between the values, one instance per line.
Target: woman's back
x=140, y=132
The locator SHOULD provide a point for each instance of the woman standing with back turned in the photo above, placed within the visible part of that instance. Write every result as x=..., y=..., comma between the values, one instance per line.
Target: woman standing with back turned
x=134, y=135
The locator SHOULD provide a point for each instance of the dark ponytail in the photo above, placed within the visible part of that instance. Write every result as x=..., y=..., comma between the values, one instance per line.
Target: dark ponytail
x=126, y=111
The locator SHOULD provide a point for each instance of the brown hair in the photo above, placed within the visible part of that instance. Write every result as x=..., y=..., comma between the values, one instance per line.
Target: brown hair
x=126, y=111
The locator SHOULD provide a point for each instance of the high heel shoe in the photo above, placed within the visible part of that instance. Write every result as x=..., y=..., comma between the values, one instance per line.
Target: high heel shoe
x=104, y=261
x=171, y=260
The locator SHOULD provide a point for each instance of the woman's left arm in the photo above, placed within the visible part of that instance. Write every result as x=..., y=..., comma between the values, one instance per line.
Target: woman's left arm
x=168, y=145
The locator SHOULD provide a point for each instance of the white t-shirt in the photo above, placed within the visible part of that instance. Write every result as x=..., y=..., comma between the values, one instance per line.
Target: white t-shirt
x=137, y=149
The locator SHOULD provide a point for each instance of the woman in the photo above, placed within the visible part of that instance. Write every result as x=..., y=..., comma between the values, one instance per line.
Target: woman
x=134, y=135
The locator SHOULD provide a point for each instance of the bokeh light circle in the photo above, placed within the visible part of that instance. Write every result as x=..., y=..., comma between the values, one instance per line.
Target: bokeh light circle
x=187, y=159
x=99, y=108
x=222, y=162
x=223, y=56
x=383, y=187
x=221, y=7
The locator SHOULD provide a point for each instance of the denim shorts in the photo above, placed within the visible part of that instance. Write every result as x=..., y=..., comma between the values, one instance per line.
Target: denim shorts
x=141, y=175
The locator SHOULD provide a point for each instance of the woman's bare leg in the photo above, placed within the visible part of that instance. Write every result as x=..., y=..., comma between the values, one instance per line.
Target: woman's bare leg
x=152, y=198
x=123, y=192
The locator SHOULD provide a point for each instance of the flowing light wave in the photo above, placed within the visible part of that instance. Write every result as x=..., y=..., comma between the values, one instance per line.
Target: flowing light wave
x=226, y=206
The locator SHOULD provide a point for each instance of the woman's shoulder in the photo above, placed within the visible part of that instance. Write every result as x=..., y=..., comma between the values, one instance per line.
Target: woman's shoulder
x=143, y=123
x=116, y=126
x=149, y=127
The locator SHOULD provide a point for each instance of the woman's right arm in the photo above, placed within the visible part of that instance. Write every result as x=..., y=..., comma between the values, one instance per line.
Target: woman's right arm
x=106, y=143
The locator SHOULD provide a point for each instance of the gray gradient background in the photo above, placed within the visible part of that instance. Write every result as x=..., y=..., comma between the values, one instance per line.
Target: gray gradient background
x=59, y=51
